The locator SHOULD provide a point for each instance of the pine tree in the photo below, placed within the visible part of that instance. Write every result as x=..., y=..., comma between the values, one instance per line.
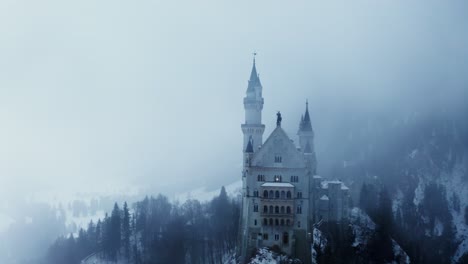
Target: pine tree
x=381, y=248
x=115, y=232
x=466, y=215
x=126, y=231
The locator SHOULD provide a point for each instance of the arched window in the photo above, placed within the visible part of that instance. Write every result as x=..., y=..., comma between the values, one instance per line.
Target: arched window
x=265, y=194
x=277, y=195
x=283, y=195
x=265, y=221
x=288, y=222
x=265, y=209
x=276, y=222
x=282, y=209
x=271, y=195
x=271, y=209
x=271, y=221
x=276, y=209
x=282, y=222
x=288, y=210
x=288, y=195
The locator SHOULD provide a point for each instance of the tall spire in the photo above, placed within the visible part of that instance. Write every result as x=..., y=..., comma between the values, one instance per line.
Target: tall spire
x=254, y=80
x=306, y=125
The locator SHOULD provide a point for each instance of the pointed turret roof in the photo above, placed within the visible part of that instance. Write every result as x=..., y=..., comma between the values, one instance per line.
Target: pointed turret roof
x=306, y=124
x=249, y=148
x=254, y=80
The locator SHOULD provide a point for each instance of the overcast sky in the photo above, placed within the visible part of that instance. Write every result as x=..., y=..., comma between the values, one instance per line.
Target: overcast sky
x=150, y=92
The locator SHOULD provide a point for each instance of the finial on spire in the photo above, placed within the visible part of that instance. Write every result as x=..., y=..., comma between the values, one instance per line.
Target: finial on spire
x=254, y=54
x=307, y=103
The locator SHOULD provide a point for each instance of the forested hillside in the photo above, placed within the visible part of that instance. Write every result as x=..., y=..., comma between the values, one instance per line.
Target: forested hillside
x=155, y=230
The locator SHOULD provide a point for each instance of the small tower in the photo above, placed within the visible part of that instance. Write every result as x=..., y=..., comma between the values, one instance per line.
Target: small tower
x=306, y=138
x=248, y=153
x=253, y=104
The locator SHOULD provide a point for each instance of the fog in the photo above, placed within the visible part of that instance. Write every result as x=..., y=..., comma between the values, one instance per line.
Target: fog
x=96, y=95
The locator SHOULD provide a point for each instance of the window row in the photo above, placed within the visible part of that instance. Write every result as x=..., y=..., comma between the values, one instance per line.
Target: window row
x=276, y=237
x=277, y=209
x=276, y=222
x=277, y=194
x=274, y=209
x=277, y=178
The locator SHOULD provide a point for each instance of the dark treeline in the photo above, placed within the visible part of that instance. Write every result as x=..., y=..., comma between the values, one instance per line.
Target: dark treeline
x=417, y=236
x=340, y=236
x=416, y=156
x=155, y=230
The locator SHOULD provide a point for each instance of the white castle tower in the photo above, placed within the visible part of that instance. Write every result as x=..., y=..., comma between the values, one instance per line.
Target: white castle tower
x=253, y=104
x=282, y=197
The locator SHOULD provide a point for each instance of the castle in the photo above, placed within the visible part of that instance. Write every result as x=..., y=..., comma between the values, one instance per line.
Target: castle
x=282, y=196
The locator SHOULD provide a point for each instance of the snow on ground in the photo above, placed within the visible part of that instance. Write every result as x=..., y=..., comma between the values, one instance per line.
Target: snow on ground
x=400, y=254
x=456, y=182
x=203, y=195
x=363, y=228
x=266, y=256
x=319, y=241
x=419, y=193
x=95, y=259
x=438, y=227
x=397, y=201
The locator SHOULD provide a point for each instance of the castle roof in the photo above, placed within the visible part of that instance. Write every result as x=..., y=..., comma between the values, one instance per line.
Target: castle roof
x=306, y=124
x=278, y=144
x=324, y=198
x=254, y=80
x=249, y=148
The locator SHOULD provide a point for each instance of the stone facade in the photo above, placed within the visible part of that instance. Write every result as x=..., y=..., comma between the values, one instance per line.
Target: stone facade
x=282, y=195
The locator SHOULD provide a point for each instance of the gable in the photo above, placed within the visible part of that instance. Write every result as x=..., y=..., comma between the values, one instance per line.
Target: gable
x=279, y=145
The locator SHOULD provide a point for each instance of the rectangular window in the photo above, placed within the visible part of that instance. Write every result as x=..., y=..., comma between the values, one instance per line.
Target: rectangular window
x=256, y=208
x=277, y=178
x=260, y=177
x=278, y=159
x=276, y=237
x=265, y=236
x=299, y=210
x=299, y=224
x=299, y=195
x=294, y=179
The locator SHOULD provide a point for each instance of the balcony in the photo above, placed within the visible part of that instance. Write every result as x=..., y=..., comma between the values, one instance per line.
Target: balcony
x=281, y=215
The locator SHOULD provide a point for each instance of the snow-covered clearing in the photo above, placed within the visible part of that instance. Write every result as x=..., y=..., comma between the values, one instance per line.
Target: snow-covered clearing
x=204, y=195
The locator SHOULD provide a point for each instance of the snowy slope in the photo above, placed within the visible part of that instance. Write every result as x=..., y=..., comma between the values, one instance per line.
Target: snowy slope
x=364, y=227
x=204, y=195
x=456, y=182
x=266, y=256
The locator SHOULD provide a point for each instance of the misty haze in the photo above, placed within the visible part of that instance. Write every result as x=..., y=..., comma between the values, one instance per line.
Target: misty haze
x=233, y=132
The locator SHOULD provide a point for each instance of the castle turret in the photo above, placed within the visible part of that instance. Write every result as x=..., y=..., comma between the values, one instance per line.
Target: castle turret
x=306, y=139
x=253, y=104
